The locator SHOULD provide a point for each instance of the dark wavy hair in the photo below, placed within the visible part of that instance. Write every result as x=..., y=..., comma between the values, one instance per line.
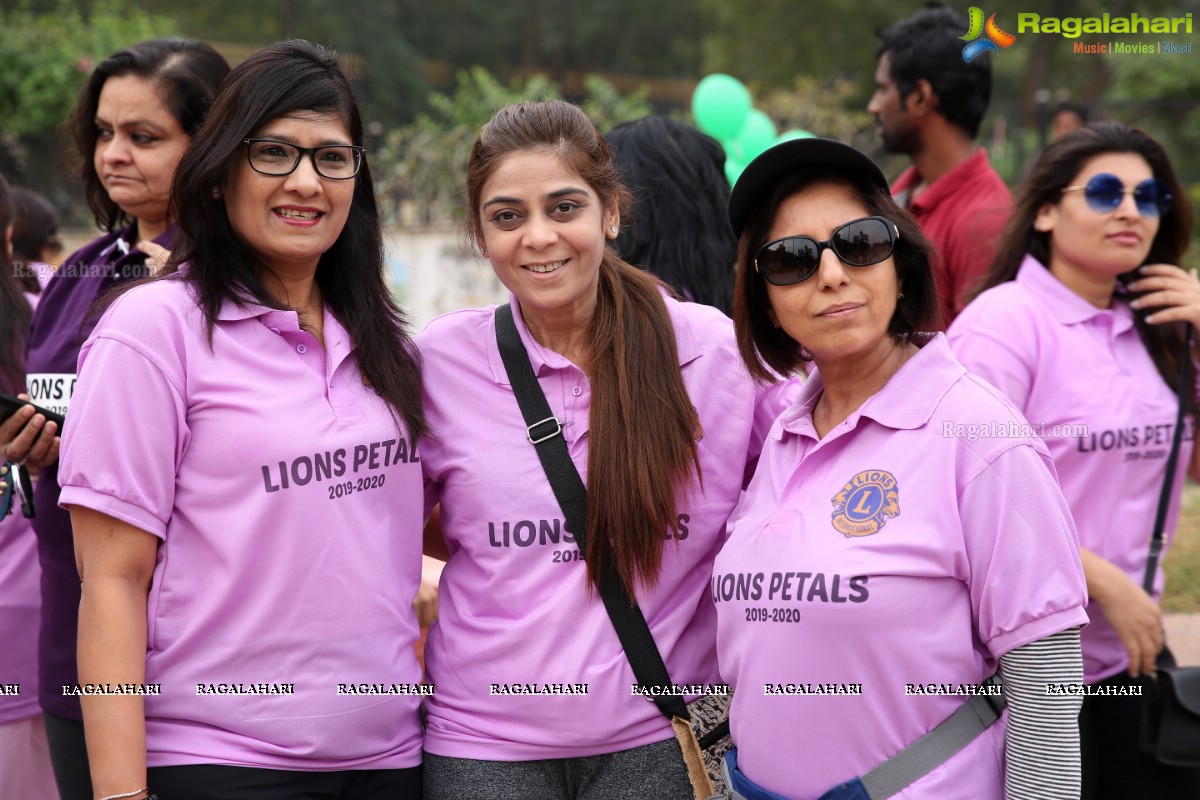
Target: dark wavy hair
x=1056, y=168
x=768, y=350
x=15, y=311
x=927, y=46
x=288, y=77
x=678, y=228
x=35, y=226
x=642, y=445
x=187, y=73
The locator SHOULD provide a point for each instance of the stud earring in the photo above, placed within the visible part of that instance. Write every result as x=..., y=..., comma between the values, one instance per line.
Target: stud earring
x=216, y=194
x=613, y=229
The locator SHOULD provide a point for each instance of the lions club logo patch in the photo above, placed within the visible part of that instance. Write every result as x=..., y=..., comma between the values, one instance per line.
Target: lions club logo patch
x=864, y=504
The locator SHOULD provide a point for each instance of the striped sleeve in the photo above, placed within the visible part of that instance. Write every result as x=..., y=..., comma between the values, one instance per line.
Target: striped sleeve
x=1042, y=742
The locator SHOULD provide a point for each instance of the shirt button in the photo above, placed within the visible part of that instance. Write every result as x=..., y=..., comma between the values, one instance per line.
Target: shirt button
x=577, y=391
x=275, y=331
x=301, y=349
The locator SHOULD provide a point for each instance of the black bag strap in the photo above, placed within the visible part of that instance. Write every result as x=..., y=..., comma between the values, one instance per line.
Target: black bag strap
x=545, y=434
x=1164, y=497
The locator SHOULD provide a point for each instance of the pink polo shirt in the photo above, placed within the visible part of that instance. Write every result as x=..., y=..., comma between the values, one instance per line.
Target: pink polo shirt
x=290, y=512
x=884, y=555
x=20, y=600
x=514, y=606
x=1083, y=375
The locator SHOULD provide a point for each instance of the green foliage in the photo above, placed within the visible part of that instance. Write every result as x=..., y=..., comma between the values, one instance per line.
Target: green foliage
x=607, y=107
x=828, y=108
x=423, y=166
x=47, y=55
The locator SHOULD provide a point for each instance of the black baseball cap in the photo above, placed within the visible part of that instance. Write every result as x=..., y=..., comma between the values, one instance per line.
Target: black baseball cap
x=777, y=162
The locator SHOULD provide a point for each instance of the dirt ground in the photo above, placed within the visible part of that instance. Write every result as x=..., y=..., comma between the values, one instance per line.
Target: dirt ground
x=1183, y=636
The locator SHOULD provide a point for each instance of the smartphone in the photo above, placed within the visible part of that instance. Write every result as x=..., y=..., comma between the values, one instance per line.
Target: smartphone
x=10, y=404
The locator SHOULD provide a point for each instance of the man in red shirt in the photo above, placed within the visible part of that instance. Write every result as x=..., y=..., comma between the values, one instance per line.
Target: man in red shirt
x=929, y=103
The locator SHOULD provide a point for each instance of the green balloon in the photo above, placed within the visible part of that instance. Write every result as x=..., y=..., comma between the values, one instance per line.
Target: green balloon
x=733, y=170
x=736, y=151
x=794, y=133
x=720, y=105
x=757, y=135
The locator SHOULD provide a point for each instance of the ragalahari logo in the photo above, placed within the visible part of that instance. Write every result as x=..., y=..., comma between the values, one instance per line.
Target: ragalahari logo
x=996, y=38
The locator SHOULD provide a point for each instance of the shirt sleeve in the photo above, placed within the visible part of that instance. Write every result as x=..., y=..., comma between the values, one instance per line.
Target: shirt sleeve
x=987, y=350
x=1042, y=737
x=126, y=436
x=1026, y=580
x=770, y=401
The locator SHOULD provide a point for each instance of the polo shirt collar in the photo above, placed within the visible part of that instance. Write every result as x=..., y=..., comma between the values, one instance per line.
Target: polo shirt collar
x=1066, y=306
x=906, y=402
x=947, y=186
x=687, y=344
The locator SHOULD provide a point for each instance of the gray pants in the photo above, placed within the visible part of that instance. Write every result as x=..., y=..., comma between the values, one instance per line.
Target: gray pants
x=655, y=770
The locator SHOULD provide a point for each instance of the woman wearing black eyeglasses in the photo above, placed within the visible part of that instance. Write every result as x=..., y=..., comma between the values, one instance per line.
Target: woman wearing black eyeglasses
x=878, y=570
x=1082, y=323
x=249, y=543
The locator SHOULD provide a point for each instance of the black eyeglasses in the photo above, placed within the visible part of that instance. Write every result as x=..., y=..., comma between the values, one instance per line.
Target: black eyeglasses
x=338, y=162
x=1104, y=193
x=858, y=243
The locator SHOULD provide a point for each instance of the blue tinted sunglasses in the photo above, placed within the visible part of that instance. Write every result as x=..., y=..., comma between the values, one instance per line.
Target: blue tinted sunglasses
x=1104, y=193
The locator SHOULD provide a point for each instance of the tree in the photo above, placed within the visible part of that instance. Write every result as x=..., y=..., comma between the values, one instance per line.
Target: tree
x=423, y=166
x=47, y=56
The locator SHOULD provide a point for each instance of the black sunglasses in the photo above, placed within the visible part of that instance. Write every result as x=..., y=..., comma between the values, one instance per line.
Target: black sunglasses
x=858, y=243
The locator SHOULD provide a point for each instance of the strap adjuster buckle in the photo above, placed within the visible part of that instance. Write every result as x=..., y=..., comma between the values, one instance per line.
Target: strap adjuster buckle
x=538, y=438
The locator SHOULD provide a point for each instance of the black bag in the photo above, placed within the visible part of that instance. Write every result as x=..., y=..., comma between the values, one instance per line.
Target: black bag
x=1171, y=705
x=1171, y=716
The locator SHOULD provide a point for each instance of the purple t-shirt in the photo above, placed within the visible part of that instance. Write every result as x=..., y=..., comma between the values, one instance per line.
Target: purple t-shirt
x=59, y=327
x=515, y=611
x=1084, y=378
x=892, y=553
x=280, y=627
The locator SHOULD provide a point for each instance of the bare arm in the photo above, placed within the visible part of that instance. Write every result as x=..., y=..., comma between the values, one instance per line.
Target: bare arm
x=115, y=562
x=1133, y=614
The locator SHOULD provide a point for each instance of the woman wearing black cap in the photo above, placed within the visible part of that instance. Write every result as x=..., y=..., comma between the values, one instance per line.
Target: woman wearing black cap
x=904, y=537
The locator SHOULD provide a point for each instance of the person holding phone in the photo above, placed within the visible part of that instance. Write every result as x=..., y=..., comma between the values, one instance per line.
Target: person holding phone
x=1083, y=322
x=24, y=751
x=136, y=115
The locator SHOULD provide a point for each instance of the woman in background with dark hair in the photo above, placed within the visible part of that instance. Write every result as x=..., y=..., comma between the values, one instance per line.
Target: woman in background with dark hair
x=875, y=551
x=136, y=115
x=35, y=240
x=1083, y=323
x=236, y=542
x=24, y=752
x=678, y=228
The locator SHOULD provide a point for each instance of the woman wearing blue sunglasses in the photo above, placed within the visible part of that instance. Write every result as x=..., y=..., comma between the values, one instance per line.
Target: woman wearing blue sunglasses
x=1083, y=321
